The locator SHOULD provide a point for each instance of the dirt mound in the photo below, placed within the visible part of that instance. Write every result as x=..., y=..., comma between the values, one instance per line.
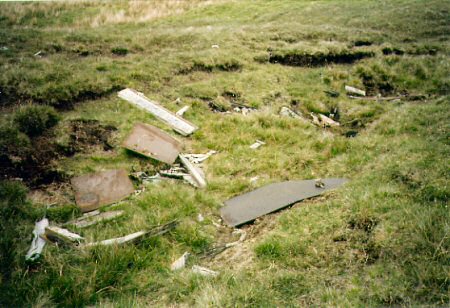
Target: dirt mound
x=198, y=66
x=87, y=135
x=36, y=164
x=319, y=58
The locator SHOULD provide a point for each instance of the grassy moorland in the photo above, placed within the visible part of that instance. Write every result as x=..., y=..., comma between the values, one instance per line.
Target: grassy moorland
x=382, y=239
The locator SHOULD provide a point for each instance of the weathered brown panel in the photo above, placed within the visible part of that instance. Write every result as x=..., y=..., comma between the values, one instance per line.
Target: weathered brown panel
x=102, y=188
x=153, y=142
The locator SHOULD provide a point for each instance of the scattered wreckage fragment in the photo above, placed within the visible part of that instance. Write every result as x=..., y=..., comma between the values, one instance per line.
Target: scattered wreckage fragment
x=180, y=262
x=60, y=235
x=355, y=91
x=196, y=174
x=179, y=124
x=189, y=172
x=152, y=142
x=286, y=112
x=159, y=230
x=84, y=222
x=257, y=144
x=199, y=158
x=102, y=188
x=203, y=271
x=272, y=197
x=182, y=111
x=38, y=243
x=323, y=121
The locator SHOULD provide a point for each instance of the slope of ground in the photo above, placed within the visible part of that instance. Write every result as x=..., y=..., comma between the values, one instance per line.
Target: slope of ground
x=382, y=239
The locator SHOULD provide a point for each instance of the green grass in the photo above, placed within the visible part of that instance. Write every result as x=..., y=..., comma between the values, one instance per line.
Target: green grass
x=382, y=239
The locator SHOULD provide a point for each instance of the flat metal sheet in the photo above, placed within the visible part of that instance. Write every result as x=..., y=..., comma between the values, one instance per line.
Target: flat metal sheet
x=272, y=197
x=102, y=188
x=179, y=124
x=153, y=142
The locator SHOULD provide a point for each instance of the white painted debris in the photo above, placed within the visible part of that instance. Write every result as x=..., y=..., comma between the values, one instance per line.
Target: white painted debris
x=215, y=46
x=189, y=172
x=102, y=217
x=118, y=240
x=178, y=101
x=89, y=214
x=4, y=48
x=204, y=271
x=83, y=217
x=286, y=112
x=57, y=234
x=38, y=54
x=193, y=171
x=199, y=158
x=159, y=230
x=378, y=98
x=243, y=110
x=319, y=183
x=200, y=218
x=257, y=144
x=254, y=179
x=175, y=171
x=315, y=119
x=145, y=178
x=179, y=124
x=323, y=121
x=182, y=111
x=356, y=91
x=327, y=121
x=180, y=262
x=37, y=245
x=242, y=237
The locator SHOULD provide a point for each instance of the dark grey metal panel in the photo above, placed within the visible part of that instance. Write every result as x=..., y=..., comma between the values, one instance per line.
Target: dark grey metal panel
x=272, y=197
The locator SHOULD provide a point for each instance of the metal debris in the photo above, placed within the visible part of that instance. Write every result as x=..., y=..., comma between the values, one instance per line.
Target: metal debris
x=179, y=124
x=152, y=142
x=319, y=183
x=37, y=245
x=101, y=188
x=176, y=171
x=199, y=158
x=272, y=197
x=326, y=121
x=101, y=217
x=182, y=111
x=215, y=46
x=196, y=174
x=254, y=179
x=378, y=98
x=257, y=144
x=180, y=262
x=243, y=110
x=286, y=112
x=117, y=241
x=200, y=218
x=204, y=271
x=159, y=230
x=323, y=121
x=356, y=91
x=60, y=235
x=242, y=237
x=145, y=178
